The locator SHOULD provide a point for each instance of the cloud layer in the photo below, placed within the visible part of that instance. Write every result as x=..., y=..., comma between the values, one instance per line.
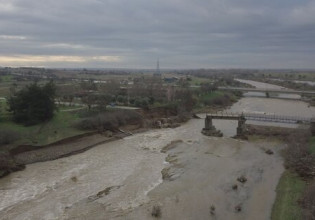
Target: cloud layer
x=182, y=33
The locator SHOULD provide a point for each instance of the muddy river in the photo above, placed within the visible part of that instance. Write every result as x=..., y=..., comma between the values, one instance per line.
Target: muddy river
x=123, y=180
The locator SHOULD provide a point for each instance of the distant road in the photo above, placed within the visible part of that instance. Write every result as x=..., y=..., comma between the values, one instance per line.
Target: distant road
x=108, y=106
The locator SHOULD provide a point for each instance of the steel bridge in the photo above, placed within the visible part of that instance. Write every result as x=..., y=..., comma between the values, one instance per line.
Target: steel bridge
x=283, y=91
x=261, y=117
x=210, y=130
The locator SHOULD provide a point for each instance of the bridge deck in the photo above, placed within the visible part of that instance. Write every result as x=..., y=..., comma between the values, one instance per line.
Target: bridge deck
x=262, y=117
x=267, y=90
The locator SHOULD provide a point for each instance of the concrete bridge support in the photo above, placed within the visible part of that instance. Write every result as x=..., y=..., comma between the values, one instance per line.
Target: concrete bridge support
x=267, y=95
x=241, y=128
x=209, y=129
x=208, y=123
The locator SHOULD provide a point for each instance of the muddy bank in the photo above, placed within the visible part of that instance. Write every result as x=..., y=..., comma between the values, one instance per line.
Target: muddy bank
x=17, y=157
x=8, y=164
x=280, y=133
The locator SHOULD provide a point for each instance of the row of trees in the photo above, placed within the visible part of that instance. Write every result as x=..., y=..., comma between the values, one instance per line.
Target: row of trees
x=34, y=103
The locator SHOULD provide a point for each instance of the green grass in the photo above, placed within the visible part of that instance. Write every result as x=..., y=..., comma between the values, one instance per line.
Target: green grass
x=289, y=190
x=4, y=91
x=59, y=127
x=209, y=96
x=213, y=95
x=312, y=145
x=6, y=78
x=199, y=80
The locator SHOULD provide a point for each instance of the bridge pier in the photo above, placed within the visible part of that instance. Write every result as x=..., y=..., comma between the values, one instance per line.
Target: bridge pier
x=209, y=129
x=241, y=128
x=267, y=95
x=208, y=123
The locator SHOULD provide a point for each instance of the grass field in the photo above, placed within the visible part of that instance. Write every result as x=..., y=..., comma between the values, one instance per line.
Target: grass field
x=199, y=80
x=289, y=190
x=212, y=95
x=6, y=78
x=59, y=127
x=312, y=144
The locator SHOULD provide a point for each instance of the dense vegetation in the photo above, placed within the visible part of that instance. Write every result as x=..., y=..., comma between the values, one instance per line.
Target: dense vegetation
x=109, y=120
x=33, y=104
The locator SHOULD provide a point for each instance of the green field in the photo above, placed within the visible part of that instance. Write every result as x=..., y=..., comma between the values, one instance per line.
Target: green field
x=199, y=80
x=212, y=95
x=59, y=127
x=312, y=145
x=6, y=78
x=289, y=190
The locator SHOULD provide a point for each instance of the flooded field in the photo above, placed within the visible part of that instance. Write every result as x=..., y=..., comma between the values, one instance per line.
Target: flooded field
x=123, y=179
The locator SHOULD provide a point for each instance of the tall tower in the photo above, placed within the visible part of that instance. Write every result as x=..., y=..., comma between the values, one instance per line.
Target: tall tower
x=158, y=67
x=157, y=71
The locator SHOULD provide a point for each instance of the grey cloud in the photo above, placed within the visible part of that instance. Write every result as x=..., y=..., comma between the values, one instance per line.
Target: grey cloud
x=183, y=33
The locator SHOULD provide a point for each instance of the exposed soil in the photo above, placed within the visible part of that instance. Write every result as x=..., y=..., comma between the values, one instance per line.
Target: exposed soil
x=17, y=157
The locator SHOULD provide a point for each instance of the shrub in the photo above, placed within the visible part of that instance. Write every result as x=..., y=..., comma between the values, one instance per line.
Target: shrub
x=110, y=120
x=308, y=202
x=298, y=156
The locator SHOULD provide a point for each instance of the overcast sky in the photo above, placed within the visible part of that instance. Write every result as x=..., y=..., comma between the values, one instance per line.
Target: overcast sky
x=181, y=33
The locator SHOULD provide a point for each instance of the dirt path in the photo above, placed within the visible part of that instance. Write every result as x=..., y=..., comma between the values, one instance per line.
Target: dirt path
x=62, y=150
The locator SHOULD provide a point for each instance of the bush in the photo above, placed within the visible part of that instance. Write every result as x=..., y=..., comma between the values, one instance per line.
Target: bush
x=298, y=156
x=110, y=120
x=140, y=102
x=308, y=202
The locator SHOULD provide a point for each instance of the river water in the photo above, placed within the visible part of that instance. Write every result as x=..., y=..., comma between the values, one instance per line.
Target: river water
x=266, y=86
x=122, y=179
